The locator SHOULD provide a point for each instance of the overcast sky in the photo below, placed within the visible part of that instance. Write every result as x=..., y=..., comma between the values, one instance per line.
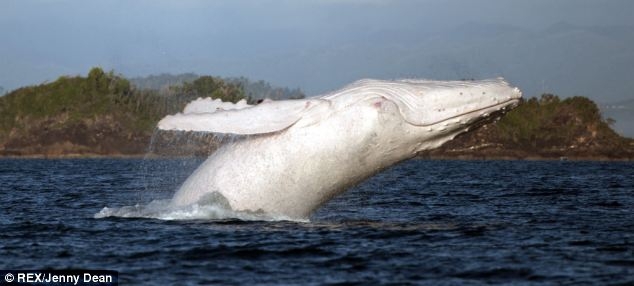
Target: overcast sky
x=569, y=47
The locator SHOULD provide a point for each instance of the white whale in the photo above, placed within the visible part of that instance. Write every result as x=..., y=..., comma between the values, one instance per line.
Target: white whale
x=302, y=153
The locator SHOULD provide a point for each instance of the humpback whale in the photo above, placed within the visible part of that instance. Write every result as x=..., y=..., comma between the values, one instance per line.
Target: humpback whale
x=295, y=155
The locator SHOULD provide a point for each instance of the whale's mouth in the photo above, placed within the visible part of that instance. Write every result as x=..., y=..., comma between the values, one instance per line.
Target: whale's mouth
x=481, y=113
x=492, y=113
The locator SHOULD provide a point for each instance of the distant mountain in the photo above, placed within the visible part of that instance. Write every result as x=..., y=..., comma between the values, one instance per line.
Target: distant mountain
x=254, y=90
x=162, y=81
x=261, y=90
x=563, y=59
x=1, y=90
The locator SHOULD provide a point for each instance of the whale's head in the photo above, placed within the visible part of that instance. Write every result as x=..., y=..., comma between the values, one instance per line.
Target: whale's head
x=446, y=109
x=434, y=112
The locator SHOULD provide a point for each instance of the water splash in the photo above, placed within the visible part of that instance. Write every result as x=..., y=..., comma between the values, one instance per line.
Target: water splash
x=170, y=158
x=212, y=207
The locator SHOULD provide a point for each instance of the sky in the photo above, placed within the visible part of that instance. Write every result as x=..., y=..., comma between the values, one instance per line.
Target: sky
x=566, y=47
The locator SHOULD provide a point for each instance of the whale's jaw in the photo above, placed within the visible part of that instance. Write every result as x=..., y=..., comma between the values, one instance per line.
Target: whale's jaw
x=472, y=119
x=314, y=149
x=445, y=131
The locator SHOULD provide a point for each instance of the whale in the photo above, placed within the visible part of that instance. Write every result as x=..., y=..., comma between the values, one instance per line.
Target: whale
x=292, y=156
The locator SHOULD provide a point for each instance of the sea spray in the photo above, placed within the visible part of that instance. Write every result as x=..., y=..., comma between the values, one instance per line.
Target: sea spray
x=170, y=158
x=205, y=209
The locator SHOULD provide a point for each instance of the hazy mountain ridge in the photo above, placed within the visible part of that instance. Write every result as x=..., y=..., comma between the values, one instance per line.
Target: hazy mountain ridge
x=560, y=59
x=623, y=114
x=565, y=59
x=254, y=90
x=162, y=81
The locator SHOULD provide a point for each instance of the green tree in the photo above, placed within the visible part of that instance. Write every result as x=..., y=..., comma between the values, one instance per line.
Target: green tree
x=97, y=79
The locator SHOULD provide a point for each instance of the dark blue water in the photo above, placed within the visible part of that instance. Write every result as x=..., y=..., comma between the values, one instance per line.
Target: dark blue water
x=421, y=222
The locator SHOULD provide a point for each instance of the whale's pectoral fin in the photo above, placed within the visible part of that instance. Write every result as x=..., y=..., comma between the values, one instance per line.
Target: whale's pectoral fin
x=267, y=117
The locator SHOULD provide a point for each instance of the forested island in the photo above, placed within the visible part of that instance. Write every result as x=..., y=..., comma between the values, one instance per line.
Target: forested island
x=105, y=114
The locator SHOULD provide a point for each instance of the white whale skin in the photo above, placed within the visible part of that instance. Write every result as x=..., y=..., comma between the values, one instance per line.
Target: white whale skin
x=302, y=153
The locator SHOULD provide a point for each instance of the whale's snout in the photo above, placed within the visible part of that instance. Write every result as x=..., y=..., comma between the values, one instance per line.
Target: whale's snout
x=469, y=103
x=489, y=107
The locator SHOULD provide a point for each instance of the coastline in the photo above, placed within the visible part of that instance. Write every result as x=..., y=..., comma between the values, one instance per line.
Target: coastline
x=72, y=156
x=433, y=157
x=527, y=158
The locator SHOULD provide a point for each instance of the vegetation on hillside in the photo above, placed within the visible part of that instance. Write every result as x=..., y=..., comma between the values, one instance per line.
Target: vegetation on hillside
x=550, y=121
x=78, y=111
x=103, y=93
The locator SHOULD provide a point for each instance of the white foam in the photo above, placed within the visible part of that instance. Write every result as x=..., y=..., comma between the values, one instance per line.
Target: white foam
x=161, y=209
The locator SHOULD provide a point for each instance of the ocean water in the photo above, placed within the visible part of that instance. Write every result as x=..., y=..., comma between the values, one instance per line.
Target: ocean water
x=420, y=222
